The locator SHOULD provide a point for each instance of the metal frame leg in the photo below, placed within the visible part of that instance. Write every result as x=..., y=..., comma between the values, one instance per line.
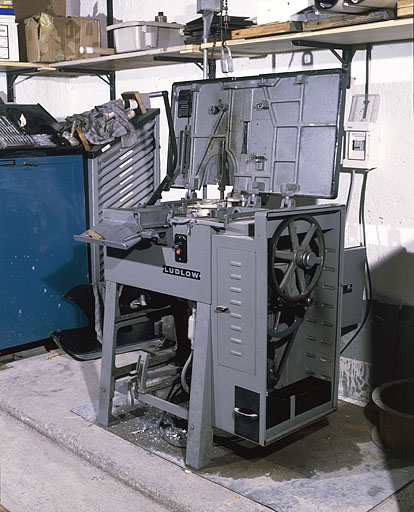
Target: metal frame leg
x=200, y=430
x=107, y=382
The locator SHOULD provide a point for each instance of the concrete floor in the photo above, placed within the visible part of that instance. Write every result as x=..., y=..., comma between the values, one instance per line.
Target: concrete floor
x=76, y=465
x=37, y=474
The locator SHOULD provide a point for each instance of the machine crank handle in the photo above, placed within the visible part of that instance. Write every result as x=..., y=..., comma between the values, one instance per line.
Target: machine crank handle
x=242, y=413
x=172, y=151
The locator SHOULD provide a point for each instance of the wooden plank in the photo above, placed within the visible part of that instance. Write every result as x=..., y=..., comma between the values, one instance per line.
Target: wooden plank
x=383, y=31
x=405, y=12
x=266, y=30
x=405, y=3
x=84, y=141
x=133, y=60
x=8, y=65
x=344, y=20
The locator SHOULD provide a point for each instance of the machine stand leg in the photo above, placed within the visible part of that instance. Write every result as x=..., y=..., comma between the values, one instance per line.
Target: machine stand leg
x=107, y=382
x=200, y=430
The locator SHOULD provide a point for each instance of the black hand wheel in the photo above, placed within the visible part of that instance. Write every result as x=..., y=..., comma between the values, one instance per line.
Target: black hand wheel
x=297, y=257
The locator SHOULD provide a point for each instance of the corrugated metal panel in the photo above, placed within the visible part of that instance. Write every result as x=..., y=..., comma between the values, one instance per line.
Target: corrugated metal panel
x=122, y=178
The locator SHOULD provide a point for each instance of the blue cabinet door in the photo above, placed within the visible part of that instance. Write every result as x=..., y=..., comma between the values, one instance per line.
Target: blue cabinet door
x=42, y=204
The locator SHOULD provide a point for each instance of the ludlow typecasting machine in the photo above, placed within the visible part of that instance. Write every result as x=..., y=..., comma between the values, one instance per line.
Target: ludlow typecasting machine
x=255, y=291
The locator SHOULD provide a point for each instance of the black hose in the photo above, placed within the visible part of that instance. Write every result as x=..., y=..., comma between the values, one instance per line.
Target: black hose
x=368, y=271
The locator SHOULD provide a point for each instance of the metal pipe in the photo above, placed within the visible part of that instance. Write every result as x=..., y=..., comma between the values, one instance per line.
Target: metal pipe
x=110, y=21
x=184, y=373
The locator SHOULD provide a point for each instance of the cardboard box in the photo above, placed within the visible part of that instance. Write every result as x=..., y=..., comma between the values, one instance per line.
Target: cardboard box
x=55, y=38
x=26, y=8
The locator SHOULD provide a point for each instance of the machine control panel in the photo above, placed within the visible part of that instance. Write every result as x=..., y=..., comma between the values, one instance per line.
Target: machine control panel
x=180, y=248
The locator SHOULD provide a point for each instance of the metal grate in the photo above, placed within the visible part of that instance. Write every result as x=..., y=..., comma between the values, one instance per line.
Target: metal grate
x=12, y=137
x=122, y=178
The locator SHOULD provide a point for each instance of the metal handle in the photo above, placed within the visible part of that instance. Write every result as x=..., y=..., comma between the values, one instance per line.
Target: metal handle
x=222, y=309
x=246, y=415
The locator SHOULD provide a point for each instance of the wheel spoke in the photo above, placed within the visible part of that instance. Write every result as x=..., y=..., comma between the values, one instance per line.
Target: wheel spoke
x=293, y=235
x=318, y=260
x=301, y=279
x=288, y=275
x=308, y=237
x=285, y=255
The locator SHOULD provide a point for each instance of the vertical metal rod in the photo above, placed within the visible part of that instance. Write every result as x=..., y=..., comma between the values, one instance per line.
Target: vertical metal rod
x=110, y=21
x=11, y=78
x=112, y=85
x=200, y=429
x=205, y=50
x=367, y=68
x=107, y=382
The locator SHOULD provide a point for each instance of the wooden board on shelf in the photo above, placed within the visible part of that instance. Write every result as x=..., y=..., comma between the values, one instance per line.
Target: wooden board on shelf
x=134, y=60
x=405, y=8
x=8, y=65
x=344, y=20
x=383, y=31
x=267, y=30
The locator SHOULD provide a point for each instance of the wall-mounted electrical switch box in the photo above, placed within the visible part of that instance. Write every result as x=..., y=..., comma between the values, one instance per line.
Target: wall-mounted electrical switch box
x=361, y=148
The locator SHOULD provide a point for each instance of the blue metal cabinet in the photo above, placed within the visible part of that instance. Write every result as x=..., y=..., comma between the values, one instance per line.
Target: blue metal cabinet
x=42, y=204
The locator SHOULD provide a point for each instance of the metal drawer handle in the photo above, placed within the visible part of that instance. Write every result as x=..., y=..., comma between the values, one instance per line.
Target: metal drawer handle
x=222, y=309
x=244, y=414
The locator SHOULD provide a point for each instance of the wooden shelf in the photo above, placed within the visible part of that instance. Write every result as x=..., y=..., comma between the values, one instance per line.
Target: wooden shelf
x=378, y=32
x=135, y=60
x=383, y=31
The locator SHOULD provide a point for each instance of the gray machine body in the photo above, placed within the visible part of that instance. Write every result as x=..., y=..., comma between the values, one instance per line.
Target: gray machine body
x=227, y=270
x=263, y=135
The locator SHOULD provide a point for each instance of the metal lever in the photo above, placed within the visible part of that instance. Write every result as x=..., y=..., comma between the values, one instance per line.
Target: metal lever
x=226, y=59
x=247, y=415
x=222, y=309
x=172, y=150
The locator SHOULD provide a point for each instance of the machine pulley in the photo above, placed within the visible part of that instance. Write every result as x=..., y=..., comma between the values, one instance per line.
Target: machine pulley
x=297, y=257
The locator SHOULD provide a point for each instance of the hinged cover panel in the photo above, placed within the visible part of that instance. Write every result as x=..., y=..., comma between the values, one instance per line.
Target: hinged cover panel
x=277, y=133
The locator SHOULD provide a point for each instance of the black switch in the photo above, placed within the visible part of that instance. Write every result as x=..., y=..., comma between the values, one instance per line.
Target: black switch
x=180, y=248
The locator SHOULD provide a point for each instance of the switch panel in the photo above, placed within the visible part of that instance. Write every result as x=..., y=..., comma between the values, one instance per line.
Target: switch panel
x=180, y=248
x=361, y=145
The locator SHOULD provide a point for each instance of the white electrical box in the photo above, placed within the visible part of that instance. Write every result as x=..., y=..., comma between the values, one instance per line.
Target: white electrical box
x=361, y=148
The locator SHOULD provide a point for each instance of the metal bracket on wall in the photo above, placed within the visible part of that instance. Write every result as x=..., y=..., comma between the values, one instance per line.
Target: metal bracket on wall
x=106, y=76
x=11, y=77
x=183, y=60
x=345, y=59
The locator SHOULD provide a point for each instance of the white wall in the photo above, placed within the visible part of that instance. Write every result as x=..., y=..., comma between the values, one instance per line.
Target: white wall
x=390, y=194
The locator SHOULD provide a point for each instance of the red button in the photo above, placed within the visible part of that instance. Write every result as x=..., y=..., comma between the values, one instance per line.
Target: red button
x=177, y=252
